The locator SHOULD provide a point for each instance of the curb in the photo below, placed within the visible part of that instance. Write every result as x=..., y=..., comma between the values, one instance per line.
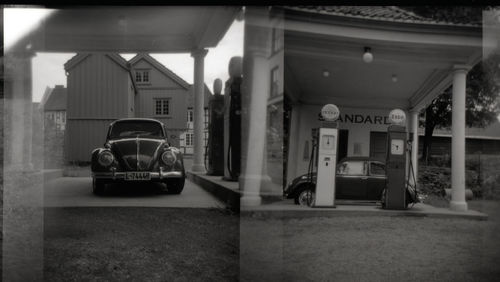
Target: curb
x=229, y=197
x=284, y=213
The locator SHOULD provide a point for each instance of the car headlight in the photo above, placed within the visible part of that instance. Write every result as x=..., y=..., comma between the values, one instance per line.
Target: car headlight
x=168, y=158
x=105, y=158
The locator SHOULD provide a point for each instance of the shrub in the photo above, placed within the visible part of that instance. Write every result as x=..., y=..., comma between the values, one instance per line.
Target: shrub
x=490, y=188
x=433, y=180
x=481, y=177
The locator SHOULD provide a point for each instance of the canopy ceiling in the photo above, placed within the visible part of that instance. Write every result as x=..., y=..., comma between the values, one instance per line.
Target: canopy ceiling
x=421, y=56
x=131, y=29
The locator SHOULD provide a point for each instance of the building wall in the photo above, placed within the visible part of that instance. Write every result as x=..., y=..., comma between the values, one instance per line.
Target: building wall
x=58, y=117
x=85, y=136
x=97, y=94
x=160, y=86
x=156, y=77
x=274, y=127
x=96, y=88
x=359, y=123
x=145, y=105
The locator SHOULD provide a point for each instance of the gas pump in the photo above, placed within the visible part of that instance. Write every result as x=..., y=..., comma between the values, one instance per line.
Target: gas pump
x=232, y=120
x=395, y=193
x=215, y=144
x=327, y=157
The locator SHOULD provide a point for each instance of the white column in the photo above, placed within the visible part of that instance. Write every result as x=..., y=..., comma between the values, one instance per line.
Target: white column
x=458, y=140
x=414, y=146
x=22, y=186
x=256, y=76
x=198, y=122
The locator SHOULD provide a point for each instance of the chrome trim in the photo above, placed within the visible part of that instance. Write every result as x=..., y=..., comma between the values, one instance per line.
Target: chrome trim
x=121, y=175
x=137, y=157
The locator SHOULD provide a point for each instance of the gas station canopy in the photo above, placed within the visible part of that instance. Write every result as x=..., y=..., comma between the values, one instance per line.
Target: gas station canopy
x=131, y=29
x=413, y=57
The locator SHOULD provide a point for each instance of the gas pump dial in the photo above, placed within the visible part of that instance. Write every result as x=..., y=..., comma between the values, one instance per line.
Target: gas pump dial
x=328, y=142
x=397, y=146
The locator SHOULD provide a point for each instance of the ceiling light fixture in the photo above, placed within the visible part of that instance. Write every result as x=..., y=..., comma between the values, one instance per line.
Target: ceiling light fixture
x=326, y=73
x=368, y=56
x=394, y=78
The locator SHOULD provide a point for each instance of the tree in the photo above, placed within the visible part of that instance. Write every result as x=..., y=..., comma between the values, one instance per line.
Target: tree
x=482, y=80
x=482, y=101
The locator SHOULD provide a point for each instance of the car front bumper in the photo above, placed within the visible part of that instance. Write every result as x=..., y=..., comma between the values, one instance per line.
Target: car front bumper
x=120, y=175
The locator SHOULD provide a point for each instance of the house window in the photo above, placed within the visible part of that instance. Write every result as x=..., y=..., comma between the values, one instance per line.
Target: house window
x=190, y=115
x=145, y=76
x=162, y=107
x=277, y=40
x=274, y=82
x=189, y=139
x=142, y=76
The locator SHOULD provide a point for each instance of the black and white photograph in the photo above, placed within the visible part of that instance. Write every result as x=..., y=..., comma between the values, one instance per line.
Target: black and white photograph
x=250, y=143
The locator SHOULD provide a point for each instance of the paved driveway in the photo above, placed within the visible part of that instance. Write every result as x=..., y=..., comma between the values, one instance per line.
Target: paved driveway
x=77, y=191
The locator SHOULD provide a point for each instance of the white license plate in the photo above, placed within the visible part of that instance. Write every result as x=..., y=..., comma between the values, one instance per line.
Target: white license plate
x=138, y=176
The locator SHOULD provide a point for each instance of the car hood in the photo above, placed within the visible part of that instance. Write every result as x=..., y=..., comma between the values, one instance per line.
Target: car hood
x=137, y=153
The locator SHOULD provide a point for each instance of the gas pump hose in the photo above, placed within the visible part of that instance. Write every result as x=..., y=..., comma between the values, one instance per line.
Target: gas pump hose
x=310, y=170
x=205, y=158
x=412, y=175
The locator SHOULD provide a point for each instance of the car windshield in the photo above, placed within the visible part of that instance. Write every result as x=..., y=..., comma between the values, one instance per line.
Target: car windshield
x=132, y=129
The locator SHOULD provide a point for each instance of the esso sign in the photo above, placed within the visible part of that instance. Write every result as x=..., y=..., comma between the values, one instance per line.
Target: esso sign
x=397, y=116
x=330, y=112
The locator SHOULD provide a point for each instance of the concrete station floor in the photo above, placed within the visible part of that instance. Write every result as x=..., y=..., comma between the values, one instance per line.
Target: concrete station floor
x=229, y=193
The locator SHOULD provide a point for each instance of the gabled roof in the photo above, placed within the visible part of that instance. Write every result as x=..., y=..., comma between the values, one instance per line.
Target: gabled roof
x=380, y=13
x=56, y=100
x=82, y=56
x=46, y=95
x=167, y=72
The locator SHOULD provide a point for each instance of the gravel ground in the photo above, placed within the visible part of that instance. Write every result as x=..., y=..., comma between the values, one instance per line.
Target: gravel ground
x=354, y=248
x=140, y=244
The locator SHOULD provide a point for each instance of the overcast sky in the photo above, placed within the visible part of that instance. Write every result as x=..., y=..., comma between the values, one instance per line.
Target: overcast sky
x=48, y=68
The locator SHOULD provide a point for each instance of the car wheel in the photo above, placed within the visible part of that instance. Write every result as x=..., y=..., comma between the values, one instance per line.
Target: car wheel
x=175, y=186
x=98, y=187
x=305, y=197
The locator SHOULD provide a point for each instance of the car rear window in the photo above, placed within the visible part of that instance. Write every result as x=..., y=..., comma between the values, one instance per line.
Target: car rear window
x=132, y=129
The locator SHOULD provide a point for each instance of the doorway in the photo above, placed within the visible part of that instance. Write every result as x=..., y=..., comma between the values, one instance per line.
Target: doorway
x=343, y=141
x=378, y=148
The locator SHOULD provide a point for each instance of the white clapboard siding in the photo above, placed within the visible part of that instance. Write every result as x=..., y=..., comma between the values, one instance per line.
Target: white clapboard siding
x=83, y=136
x=98, y=88
x=98, y=92
x=145, y=106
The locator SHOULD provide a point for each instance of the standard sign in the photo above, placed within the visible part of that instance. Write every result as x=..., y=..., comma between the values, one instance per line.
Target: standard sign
x=397, y=116
x=330, y=112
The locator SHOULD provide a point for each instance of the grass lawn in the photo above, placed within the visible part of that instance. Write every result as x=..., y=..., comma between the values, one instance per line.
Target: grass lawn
x=140, y=244
x=370, y=248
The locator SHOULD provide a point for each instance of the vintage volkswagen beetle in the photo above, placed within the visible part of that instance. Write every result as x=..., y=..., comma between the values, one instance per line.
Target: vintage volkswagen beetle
x=357, y=178
x=137, y=150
